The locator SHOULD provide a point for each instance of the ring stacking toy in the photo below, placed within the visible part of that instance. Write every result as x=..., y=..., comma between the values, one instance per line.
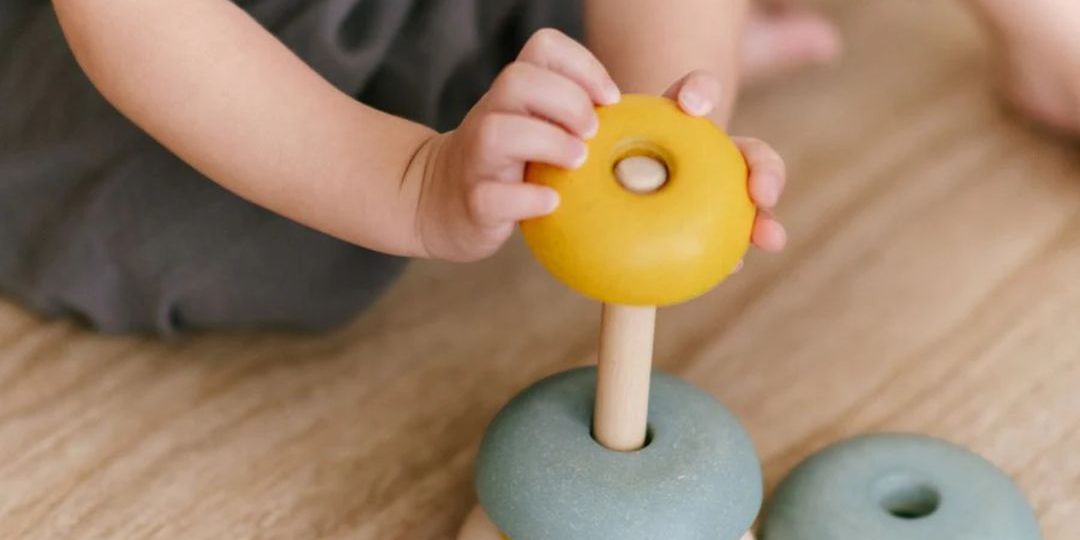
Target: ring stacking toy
x=898, y=487
x=658, y=214
x=540, y=474
x=659, y=237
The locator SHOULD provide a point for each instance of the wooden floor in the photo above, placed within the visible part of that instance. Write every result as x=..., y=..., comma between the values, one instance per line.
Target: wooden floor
x=932, y=284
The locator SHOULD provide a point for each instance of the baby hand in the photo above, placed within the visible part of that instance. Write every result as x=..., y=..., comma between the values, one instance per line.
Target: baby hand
x=539, y=109
x=697, y=94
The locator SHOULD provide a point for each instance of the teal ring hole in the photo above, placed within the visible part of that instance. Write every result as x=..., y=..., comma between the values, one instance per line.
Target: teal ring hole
x=907, y=496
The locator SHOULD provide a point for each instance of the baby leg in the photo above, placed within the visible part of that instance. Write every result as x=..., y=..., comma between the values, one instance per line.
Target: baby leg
x=1038, y=44
x=782, y=38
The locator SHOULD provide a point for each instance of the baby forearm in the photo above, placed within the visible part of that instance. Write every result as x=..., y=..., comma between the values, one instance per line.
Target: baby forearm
x=648, y=44
x=214, y=87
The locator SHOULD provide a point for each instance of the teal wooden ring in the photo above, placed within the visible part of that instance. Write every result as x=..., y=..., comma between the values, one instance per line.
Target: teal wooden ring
x=541, y=476
x=898, y=487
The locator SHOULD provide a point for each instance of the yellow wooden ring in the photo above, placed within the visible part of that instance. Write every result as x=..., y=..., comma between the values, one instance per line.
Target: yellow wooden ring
x=658, y=248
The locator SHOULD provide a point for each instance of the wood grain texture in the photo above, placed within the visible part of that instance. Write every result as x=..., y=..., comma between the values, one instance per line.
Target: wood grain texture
x=932, y=284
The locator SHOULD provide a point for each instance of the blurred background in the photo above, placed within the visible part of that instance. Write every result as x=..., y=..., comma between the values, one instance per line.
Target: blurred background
x=931, y=284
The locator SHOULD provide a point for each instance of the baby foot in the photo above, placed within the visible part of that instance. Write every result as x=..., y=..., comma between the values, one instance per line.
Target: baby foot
x=1038, y=43
x=782, y=38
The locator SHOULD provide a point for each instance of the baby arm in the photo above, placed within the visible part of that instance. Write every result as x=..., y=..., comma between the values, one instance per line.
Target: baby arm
x=646, y=44
x=214, y=87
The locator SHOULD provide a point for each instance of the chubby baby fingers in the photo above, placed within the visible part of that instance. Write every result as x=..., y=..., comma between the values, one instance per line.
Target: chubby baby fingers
x=554, y=50
x=528, y=89
x=697, y=93
x=508, y=139
x=768, y=174
x=497, y=203
x=768, y=234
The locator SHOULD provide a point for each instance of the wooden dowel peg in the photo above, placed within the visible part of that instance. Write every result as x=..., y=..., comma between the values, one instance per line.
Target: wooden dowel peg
x=620, y=419
x=641, y=174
